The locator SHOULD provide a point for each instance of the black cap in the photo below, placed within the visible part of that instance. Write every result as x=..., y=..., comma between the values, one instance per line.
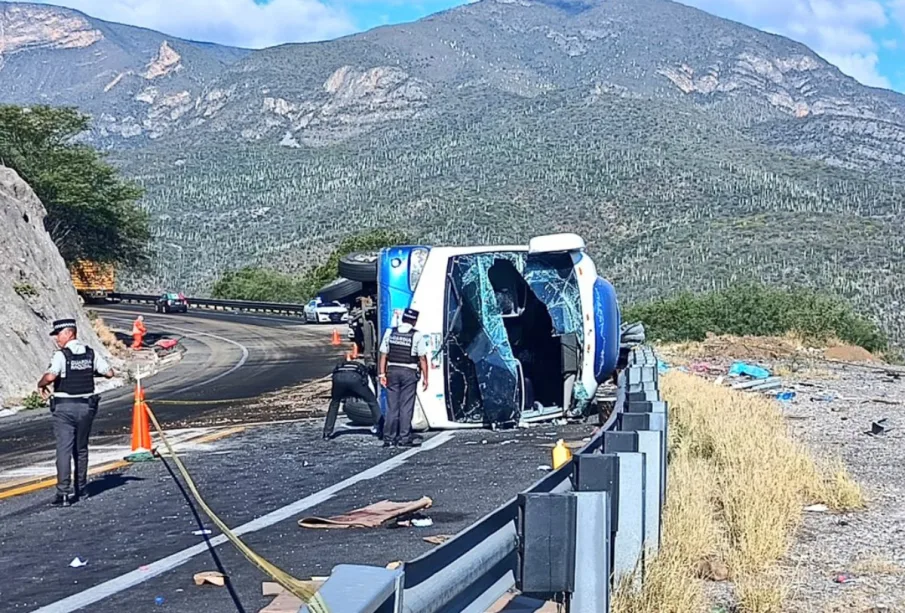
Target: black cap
x=410, y=315
x=61, y=324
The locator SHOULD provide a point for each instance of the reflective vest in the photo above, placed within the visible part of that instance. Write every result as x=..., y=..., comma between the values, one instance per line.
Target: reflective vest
x=401, y=348
x=79, y=379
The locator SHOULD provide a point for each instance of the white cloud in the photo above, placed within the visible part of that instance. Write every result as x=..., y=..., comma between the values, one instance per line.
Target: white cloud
x=231, y=22
x=841, y=31
x=860, y=66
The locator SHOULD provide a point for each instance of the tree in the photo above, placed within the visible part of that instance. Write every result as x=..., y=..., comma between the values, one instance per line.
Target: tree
x=262, y=284
x=91, y=211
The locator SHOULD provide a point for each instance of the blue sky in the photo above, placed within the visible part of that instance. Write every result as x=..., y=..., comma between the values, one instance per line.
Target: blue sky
x=864, y=38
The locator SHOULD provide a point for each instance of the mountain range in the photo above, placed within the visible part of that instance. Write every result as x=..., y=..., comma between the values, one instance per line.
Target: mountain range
x=689, y=150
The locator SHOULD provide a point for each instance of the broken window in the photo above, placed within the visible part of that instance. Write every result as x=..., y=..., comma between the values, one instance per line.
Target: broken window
x=514, y=332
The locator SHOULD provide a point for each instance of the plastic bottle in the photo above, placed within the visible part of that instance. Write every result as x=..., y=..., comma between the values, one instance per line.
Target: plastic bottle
x=561, y=454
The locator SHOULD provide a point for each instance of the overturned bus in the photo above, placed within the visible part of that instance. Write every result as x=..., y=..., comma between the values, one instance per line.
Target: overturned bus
x=516, y=333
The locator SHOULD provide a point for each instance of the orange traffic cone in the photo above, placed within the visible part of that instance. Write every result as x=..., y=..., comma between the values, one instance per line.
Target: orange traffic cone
x=336, y=342
x=354, y=354
x=141, y=427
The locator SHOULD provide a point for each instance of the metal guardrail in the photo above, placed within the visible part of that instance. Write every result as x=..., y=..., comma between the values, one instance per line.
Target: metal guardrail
x=575, y=533
x=294, y=310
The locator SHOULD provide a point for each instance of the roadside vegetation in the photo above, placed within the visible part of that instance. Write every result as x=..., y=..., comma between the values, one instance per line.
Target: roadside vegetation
x=757, y=310
x=92, y=213
x=267, y=285
x=737, y=487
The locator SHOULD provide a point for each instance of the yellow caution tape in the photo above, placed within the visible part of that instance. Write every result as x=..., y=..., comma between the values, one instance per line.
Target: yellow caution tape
x=296, y=587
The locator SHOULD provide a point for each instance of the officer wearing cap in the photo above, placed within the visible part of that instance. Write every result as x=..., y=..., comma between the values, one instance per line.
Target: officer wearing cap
x=73, y=405
x=403, y=356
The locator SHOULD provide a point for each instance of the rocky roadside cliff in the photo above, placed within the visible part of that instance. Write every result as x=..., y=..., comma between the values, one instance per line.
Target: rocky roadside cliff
x=35, y=289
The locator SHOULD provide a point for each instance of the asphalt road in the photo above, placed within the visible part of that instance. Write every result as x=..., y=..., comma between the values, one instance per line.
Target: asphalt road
x=229, y=356
x=136, y=531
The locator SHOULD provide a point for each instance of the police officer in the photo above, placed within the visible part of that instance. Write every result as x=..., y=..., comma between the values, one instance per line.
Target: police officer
x=73, y=405
x=351, y=379
x=403, y=356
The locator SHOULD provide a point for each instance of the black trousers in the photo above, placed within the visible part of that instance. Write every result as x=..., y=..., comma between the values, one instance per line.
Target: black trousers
x=72, y=420
x=402, y=387
x=348, y=385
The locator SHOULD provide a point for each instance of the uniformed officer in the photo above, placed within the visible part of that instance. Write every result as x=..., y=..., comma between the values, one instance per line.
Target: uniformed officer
x=351, y=379
x=403, y=356
x=73, y=405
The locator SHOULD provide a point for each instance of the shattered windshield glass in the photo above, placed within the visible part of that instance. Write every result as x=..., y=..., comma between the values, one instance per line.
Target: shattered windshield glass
x=506, y=314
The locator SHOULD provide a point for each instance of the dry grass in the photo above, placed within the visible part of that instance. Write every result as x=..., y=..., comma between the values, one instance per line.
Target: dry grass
x=738, y=484
x=760, y=593
x=876, y=565
x=108, y=338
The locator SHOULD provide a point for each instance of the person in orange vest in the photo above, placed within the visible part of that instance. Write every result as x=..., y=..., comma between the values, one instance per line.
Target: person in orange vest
x=138, y=332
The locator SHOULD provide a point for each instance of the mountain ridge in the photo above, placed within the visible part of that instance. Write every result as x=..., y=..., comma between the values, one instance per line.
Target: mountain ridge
x=691, y=151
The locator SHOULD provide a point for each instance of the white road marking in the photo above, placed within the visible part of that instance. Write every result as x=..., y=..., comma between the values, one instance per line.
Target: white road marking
x=140, y=575
x=102, y=454
x=236, y=367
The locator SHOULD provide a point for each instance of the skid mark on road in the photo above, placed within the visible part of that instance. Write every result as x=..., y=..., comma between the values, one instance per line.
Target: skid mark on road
x=136, y=577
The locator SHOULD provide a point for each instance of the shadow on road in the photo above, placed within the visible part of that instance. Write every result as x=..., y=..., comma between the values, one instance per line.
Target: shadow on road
x=217, y=562
x=108, y=482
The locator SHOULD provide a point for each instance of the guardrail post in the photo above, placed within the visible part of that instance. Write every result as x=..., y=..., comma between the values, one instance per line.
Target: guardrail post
x=362, y=589
x=628, y=544
x=592, y=567
x=650, y=422
x=599, y=472
x=648, y=444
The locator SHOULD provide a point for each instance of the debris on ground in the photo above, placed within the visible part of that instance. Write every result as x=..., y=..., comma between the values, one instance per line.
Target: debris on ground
x=210, y=576
x=201, y=532
x=749, y=370
x=817, y=508
x=394, y=565
x=77, y=563
x=371, y=516
x=285, y=602
x=713, y=569
x=437, y=539
x=879, y=427
x=842, y=579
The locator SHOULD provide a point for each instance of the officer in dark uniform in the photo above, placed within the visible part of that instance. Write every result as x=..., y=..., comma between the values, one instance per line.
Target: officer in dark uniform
x=73, y=405
x=403, y=360
x=351, y=379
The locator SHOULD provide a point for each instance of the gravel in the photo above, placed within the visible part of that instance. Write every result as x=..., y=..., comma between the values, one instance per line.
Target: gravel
x=867, y=546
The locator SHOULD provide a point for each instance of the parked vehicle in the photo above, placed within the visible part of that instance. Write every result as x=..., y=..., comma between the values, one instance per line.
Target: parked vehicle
x=172, y=303
x=517, y=333
x=320, y=312
x=92, y=280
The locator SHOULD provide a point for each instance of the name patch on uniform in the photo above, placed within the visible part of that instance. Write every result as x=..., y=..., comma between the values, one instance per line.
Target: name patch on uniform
x=81, y=364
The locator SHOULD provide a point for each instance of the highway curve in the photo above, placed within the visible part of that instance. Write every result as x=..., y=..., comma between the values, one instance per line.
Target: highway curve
x=229, y=356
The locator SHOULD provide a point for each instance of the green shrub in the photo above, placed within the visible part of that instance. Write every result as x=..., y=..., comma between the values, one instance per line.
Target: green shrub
x=756, y=310
x=33, y=401
x=25, y=290
x=266, y=285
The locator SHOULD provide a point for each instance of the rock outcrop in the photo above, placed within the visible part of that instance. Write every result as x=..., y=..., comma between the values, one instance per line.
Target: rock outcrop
x=35, y=289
